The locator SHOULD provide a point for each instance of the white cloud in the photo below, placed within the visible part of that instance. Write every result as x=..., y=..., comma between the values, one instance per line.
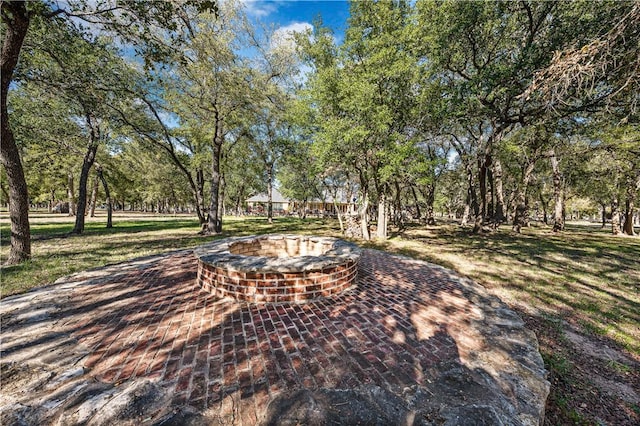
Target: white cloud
x=259, y=9
x=283, y=37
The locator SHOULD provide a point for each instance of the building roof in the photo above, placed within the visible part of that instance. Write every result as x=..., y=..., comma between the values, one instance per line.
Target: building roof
x=276, y=197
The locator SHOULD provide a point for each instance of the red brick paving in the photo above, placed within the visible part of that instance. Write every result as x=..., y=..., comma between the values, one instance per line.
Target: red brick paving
x=402, y=319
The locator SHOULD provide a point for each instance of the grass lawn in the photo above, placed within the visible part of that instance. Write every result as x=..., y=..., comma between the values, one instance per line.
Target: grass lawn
x=578, y=290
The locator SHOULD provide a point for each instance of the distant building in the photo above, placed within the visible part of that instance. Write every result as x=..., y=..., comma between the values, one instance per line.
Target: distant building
x=326, y=206
x=258, y=203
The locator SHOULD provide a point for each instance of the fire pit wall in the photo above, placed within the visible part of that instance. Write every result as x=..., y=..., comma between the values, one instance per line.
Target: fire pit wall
x=277, y=268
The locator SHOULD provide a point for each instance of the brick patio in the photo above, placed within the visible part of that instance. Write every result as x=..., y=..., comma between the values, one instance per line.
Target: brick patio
x=403, y=320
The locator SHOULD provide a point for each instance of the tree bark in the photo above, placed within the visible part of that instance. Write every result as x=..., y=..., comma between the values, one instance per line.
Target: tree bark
x=223, y=187
x=558, y=193
x=499, y=206
x=16, y=19
x=431, y=199
x=87, y=163
x=198, y=190
x=106, y=194
x=214, y=222
x=339, y=213
x=474, y=205
x=632, y=190
x=364, y=216
x=94, y=197
x=628, y=217
x=615, y=216
x=521, y=215
x=482, y=182
x=70, y=194
x=415, y=200
x=381, y=232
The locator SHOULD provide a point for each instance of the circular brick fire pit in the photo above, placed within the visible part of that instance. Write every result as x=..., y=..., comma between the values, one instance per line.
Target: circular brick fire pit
x=277, y=268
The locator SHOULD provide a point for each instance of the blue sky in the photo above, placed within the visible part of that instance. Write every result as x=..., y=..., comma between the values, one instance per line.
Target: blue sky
x=296, y=14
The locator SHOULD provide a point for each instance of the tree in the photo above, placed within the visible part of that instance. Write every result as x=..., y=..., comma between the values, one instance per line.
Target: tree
x=133, y=19
x=88, y=75
x=363, y=95
x=213, y=87
x=486, y=56
x=15, y=23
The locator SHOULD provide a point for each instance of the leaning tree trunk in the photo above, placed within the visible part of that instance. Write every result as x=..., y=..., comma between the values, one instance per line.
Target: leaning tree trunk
x=107, y=195
x=16, y=20
x=558, y=194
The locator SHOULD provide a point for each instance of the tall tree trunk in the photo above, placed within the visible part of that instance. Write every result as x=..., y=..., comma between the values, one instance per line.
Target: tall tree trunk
x=223, y=187
x=482, y=182
x=107, y=196
x=521, y=215
x=199, y=196
x=381, y=232
x=70, y=194
x=604, y=215
x=498, y=215
x=558, y=193
x=545, y=205
x=398, y=218
x=16, y=20
x=431, y=199
x=214, y=223
x=466, y=212
x=474, y=204
x=270, y=193
x=87, y=163
x=628, y=217
x=615, y=216
x=94, y=197
x=415, y=200
x=632, y=190
x=339, y=213
x=239, y=201
x=364, y=216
